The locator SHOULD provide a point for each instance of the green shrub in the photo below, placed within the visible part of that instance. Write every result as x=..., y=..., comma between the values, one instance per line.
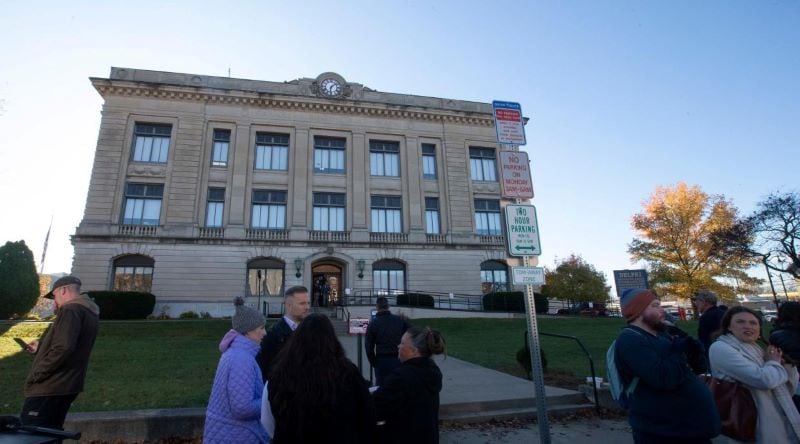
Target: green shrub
x=415, y=300
x=513, y=301
x=123, y=304
x=189, y=315
x=524, y=358
x=205, y=315
x=19, y=282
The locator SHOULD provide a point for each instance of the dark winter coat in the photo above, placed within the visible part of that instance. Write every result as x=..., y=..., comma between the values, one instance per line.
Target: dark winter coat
x=383, y=335
x=669, y=400
x=409, y=402
x=787, y=338
x=710, y=321
x=351, y=421
x=62, y=358
x=272, y=343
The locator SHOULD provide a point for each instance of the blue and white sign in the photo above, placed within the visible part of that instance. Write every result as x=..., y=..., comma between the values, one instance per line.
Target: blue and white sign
x=508, y=123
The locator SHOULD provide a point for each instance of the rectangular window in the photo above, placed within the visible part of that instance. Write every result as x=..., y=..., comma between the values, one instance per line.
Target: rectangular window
x=142, y=204
x=272, y=151
x=151, y=142
x=432, y=215
x=219, y=152
x=329, y=212
x=487, y=217
x=384, y=158
x=388, y=281
x=482, y=164
x=215, y=207
x=386, y=214
x=428, y=161
x=269, y=210
x=329, y=154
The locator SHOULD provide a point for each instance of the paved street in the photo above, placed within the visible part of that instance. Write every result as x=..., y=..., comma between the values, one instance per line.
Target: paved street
x=578, y=431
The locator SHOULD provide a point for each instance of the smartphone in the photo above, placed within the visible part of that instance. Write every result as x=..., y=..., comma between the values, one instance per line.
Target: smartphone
x=21, y=343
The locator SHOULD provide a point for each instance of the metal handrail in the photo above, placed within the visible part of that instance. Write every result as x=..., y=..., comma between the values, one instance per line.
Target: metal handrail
x=588, y=355
x=441, y=300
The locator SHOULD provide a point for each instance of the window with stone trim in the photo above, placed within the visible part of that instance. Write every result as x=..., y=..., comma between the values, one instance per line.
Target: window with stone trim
x=483, y=164
x=428, y=161
x=494, y=277
x=487, y=217
x=329, y=212
x=329, y=154
x=388, y=277
x=386, y=212
x=133, y=273
x=151, y=142
x=269, y=210
x=215, y=207
x=384, y=158
x=142, y=204
x=272, y=151
x=219, y=150
x=432, y=215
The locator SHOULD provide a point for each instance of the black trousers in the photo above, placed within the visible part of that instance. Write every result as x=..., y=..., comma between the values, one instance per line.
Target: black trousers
x=640, y=437
x=46, y=411
x=384, y=364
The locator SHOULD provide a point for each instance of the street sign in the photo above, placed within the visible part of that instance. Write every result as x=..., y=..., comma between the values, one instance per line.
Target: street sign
x=358, y=326
x=522, y=228
x=625, y=279
x=508, y=123
x=527, y=275
x=516, y=174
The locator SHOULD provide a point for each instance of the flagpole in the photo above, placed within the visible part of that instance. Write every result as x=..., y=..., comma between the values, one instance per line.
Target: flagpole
x=44, y=250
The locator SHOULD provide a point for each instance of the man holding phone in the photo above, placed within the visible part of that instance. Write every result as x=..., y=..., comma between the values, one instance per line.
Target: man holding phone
x=62, y=356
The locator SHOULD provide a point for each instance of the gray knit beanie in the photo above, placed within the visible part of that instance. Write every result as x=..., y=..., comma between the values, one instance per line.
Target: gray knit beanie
x=246, y=318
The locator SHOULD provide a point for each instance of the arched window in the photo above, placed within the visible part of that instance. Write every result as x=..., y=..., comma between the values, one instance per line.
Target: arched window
x=265, y=277
x=133, y=273
x=494, y=277
x=388, y=277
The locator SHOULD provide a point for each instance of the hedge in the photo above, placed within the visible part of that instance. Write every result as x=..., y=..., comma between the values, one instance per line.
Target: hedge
x=415, y=300
x=513, y=301
x=123, y=304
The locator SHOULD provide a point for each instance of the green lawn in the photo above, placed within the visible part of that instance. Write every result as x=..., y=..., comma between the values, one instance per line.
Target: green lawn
x=162, y=364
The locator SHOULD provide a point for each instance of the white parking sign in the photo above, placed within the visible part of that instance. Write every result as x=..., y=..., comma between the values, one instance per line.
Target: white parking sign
x=523, y=231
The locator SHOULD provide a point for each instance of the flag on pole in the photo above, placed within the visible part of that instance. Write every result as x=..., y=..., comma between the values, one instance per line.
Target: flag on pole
x=44, y=250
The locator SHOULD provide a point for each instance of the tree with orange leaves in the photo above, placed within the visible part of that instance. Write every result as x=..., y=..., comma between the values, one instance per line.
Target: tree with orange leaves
x=675, y=234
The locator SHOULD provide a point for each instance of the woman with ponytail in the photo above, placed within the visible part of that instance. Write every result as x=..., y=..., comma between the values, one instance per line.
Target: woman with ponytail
x=408, y=401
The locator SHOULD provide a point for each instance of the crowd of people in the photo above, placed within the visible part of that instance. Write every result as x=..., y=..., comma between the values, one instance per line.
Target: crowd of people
x=669, y=400
x=294, y=384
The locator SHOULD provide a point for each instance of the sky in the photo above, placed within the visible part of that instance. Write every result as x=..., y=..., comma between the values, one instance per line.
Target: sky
x=622, y=96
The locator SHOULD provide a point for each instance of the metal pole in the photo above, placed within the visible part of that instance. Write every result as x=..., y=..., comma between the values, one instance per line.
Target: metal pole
x=771, y=285
x=536, y=364
x=785, y=293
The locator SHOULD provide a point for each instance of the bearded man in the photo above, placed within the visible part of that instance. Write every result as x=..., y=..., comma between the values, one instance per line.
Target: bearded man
x=669, y=404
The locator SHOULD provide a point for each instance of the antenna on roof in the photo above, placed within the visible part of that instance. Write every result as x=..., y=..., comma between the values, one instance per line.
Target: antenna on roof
x=229, y=72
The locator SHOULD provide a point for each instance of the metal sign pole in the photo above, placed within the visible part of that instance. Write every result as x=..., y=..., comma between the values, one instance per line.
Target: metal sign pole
x=536, y=364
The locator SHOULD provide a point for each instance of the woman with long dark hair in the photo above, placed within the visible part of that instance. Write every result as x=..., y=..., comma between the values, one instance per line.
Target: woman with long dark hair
x=736, y=356
x=315, y=393
x=408, y=401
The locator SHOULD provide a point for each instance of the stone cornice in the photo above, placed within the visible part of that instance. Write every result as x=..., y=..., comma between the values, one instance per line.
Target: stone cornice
x=107, y=87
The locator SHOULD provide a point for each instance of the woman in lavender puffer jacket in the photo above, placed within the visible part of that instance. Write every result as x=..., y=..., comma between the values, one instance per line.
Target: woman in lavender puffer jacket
x=234, y=409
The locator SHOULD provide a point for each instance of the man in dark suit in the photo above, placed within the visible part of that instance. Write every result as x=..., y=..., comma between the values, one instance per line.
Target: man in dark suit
x=711, y=317
x=383, y=336
x=298, y=305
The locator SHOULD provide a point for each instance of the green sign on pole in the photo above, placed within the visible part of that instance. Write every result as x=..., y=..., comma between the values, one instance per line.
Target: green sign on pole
x=523, y=231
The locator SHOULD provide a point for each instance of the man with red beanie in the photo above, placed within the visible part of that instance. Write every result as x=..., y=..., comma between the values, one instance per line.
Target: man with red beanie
x=668, y=404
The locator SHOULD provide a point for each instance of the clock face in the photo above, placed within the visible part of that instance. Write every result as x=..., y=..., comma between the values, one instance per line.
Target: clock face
x=330, y=87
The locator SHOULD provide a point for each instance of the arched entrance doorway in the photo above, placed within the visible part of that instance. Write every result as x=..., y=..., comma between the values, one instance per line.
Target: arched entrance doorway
x=326, y=283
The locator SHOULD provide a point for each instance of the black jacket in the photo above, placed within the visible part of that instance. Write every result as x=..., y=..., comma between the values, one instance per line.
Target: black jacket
x=788, y=339
x=352, y=421
x=710, y=321
x=272, y=343
x=59, y=367
x=384, y=334
x=409, y=402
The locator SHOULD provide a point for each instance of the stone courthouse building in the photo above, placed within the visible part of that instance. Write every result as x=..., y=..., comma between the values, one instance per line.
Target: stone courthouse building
x=205, y=188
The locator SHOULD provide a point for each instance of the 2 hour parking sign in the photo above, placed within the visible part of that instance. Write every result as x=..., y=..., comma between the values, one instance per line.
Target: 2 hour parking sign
x=523, y=231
